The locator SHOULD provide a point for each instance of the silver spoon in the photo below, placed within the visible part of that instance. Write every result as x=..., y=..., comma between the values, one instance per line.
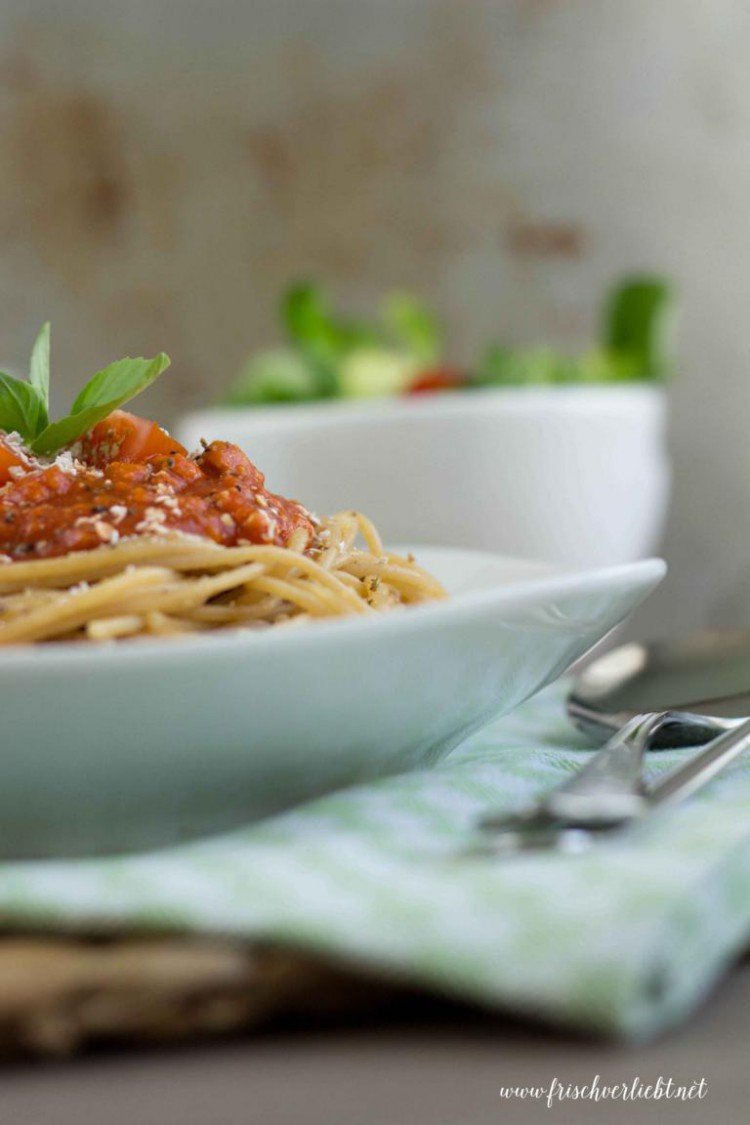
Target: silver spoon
x=704, y=678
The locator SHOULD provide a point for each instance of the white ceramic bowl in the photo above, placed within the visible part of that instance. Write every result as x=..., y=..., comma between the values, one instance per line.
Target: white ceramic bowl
x=574, y=475
x=136, y=745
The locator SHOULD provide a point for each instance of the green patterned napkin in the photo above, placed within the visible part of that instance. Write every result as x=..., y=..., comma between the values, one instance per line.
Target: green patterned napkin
x=623, y=940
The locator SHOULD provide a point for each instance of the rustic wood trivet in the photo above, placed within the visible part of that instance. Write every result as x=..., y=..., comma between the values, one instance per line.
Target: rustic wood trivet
x=58, y=995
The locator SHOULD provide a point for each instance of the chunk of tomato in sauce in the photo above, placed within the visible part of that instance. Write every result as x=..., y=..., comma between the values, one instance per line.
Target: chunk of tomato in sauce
x=10, y=458
x=126, y=437
x=437, y=379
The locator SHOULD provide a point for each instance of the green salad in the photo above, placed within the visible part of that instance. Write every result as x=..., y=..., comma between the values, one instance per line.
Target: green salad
x=402, y=350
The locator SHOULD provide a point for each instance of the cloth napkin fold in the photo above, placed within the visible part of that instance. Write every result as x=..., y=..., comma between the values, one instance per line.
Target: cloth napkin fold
x=622, y=940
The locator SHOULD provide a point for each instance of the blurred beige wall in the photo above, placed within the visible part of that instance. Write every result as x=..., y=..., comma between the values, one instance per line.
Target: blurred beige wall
x=166, y=166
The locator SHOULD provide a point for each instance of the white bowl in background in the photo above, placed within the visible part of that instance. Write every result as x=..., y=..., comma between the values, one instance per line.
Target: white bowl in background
x=575, y=475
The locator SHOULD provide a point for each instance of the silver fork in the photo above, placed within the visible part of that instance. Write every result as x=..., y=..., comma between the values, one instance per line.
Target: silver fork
x=609, y=792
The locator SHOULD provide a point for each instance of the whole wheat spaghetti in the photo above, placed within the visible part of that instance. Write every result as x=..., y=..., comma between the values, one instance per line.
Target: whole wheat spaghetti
x=177, y=584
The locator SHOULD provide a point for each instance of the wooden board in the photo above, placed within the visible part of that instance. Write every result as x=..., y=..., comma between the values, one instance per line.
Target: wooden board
x=59, y=994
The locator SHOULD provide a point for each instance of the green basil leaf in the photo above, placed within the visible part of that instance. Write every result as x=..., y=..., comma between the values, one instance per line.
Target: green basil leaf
x=637, y=323
x=39, y=370
x=414, y=326
x=21, y=409
x=59, y=434
x=119, y=382
x=304, y=313
x=311, y=325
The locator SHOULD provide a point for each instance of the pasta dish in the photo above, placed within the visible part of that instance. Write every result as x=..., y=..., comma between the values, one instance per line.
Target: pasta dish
x=118, y=532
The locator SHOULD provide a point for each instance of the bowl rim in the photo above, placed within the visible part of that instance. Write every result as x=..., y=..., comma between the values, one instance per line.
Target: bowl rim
x=574, y=398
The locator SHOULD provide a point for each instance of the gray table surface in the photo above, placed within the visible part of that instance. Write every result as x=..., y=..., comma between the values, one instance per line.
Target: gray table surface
x=423, y=1065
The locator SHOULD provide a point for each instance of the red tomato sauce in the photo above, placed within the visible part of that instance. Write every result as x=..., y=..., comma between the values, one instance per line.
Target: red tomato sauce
x=68, y=506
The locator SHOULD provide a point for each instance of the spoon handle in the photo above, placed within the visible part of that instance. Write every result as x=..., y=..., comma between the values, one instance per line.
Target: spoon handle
x=685, y=728
x=701, y=768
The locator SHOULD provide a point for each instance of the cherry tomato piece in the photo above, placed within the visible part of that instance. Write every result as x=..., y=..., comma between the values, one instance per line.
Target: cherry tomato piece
x=126, y=437
x=436, y=379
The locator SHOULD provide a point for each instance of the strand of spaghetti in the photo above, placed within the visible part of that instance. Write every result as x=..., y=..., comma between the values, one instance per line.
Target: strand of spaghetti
x=326, y=560
x=328, y=595
x=345, y=528
x=350, y=580
x=369, y=533
x=234, y=613
x=308, y=566
x=397, y=576
x=298, y=540
x=412, y=566
x=263, y=611
x=258, y=606
x=160, y=624
x=307, y=598
x=186, y=593
x=300, y=620
x=13, y=604
x=339, y=531
x=432, y=588
x=72, y=610
x=110, y=628
x=178, y=553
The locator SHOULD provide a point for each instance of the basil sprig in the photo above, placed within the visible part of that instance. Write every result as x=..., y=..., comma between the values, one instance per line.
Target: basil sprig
x=24, y=406
x=39, y=368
